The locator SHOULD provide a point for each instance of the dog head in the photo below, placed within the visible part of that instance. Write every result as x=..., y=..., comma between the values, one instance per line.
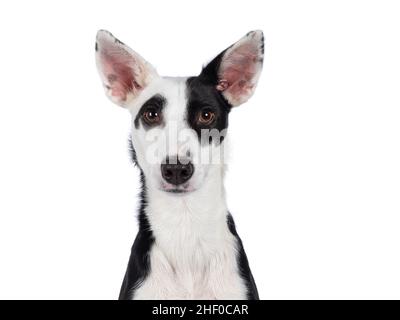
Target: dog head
x=179, y=124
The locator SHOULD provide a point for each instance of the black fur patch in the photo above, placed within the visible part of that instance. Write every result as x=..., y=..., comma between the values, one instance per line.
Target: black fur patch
x=262, y=46
x=157, y=102
x=132, y=152
x=202, y=94
x=119, y=42
x=245, y=272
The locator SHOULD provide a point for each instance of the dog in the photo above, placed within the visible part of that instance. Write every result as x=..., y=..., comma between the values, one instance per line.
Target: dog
x=187, y=246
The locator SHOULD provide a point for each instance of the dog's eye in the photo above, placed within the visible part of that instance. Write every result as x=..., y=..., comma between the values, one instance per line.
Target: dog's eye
x=152, y=117
x=206, y=117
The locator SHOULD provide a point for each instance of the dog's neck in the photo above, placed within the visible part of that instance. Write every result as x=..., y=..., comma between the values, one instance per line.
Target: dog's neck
x=200, y=211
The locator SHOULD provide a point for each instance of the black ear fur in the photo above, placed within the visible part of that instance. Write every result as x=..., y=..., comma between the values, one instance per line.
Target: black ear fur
x=209, y=74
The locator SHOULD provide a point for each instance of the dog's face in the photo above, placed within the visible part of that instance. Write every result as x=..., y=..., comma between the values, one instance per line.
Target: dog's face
x=179, y=124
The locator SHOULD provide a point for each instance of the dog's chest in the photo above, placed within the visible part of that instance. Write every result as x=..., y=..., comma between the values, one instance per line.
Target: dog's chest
x=191, y=259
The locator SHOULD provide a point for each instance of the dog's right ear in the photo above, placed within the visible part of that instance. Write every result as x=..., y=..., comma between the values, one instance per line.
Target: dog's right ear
x=124, y=72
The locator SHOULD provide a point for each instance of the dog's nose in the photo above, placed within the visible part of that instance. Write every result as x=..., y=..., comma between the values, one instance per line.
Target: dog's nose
x=177, y=173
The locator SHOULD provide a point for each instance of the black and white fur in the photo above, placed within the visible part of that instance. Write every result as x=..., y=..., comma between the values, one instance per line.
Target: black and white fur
x=187, y=246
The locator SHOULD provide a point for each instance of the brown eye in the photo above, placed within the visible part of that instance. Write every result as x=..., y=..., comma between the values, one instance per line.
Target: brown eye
x=152, y=116
x=206, y=117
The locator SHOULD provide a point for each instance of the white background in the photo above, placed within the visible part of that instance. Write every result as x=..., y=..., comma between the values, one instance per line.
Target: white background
x=314, y=180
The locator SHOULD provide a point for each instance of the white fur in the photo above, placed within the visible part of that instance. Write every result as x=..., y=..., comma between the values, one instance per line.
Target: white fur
x=195, y=254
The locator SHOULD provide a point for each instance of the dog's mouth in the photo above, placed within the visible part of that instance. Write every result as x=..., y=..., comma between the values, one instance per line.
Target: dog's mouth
x=178, y=190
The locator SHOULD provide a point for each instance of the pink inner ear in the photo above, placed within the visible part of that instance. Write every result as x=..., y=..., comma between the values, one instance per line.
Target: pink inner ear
x=119, y=74
x=238, y=69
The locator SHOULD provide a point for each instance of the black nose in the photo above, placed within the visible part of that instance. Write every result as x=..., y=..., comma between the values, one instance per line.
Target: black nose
x=176, y=173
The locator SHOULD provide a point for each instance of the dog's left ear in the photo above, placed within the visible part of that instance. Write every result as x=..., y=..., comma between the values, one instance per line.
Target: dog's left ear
x=235, y=71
